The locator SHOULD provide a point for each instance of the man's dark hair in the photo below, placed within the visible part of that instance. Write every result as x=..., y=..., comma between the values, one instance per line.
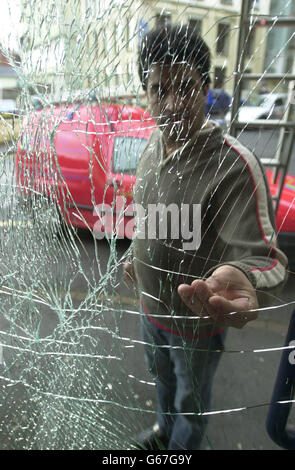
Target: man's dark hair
x=170, y=44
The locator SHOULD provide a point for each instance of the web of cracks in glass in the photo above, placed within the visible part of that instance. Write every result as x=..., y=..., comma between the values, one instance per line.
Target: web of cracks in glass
x=72, y=363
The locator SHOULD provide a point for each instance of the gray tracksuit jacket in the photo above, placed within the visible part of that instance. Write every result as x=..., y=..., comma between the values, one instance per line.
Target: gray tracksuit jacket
x=205, y=205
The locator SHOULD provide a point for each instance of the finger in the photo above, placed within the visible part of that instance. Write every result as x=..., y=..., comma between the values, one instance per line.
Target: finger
x=188, y=296
x=194, y=290
x=125, y=284
x=233, y=313
x=213, y=283
x=224, y=306
x=129, y=277
x=202, y=290
x=203, y=293
x=185, y=290
x=196, y=296
x=198, y=290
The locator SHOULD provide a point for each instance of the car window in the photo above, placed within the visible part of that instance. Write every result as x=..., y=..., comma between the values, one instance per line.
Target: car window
x=256, y=100
x=126, y=153
x=265, y=101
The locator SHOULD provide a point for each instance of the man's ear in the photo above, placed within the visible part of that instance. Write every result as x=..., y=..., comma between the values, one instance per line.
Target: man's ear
x=206, y=89
x=147, y=102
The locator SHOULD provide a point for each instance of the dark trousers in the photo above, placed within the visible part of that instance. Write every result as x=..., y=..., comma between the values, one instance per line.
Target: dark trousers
x=183, y=370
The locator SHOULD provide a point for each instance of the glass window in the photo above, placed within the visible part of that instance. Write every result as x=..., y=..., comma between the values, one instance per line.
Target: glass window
x=163, y=20
x=219, y=76
x=10, y=94
x=222, y=38
x=196, y=24
x=126, y=154
x=254, y=4
x=256, y=100
x=249, y=44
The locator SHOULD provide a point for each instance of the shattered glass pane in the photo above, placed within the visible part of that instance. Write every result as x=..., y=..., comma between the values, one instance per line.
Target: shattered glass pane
x=74, y=121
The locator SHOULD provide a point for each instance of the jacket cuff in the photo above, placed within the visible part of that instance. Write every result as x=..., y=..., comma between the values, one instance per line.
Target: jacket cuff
x=239, y=265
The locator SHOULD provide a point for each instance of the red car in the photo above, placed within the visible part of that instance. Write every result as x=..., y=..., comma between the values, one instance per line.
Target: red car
x=85, y=156
x=285, y=216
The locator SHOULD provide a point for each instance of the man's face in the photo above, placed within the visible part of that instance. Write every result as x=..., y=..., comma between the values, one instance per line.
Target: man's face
x=176, y=100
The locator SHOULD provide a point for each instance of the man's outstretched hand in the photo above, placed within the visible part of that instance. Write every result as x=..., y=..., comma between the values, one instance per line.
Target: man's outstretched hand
x=129, y=272
x=226, y=291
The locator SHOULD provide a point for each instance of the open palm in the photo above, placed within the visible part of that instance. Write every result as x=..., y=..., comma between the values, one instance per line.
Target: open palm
x=227, y=296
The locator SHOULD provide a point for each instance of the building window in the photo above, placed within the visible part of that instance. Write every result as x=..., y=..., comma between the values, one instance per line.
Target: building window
x=222, y=40
x=289, y=61
x=226, y=2
x=128, y=35
x=254, y=4
x=219, y=76
x=117, y=36
x=249, y=44
x=10, y=94
x=196, y=24
x=106, y=41
x=163, y=20
x=129, y=72
x=245, y=84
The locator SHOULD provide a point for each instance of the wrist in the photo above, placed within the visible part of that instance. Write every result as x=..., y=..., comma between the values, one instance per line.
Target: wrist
x=240, y=267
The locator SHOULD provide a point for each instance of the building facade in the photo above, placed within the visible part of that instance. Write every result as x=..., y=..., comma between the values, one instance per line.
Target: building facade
x=281, y=40
x=82, y=45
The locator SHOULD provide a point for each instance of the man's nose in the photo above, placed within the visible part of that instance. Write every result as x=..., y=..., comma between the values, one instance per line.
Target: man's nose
x=173, y=103
x=169, y=103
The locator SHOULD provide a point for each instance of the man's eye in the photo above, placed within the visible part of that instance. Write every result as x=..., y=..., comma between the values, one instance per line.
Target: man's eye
x=184, y=90
x=160, y=92
x=157, y=92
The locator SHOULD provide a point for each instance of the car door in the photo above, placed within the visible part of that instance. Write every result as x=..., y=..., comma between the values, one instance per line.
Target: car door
x=129, y=130
x=278, y=108
x=125, y=151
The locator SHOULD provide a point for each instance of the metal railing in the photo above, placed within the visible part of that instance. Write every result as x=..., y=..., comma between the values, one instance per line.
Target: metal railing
x=287, y=124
